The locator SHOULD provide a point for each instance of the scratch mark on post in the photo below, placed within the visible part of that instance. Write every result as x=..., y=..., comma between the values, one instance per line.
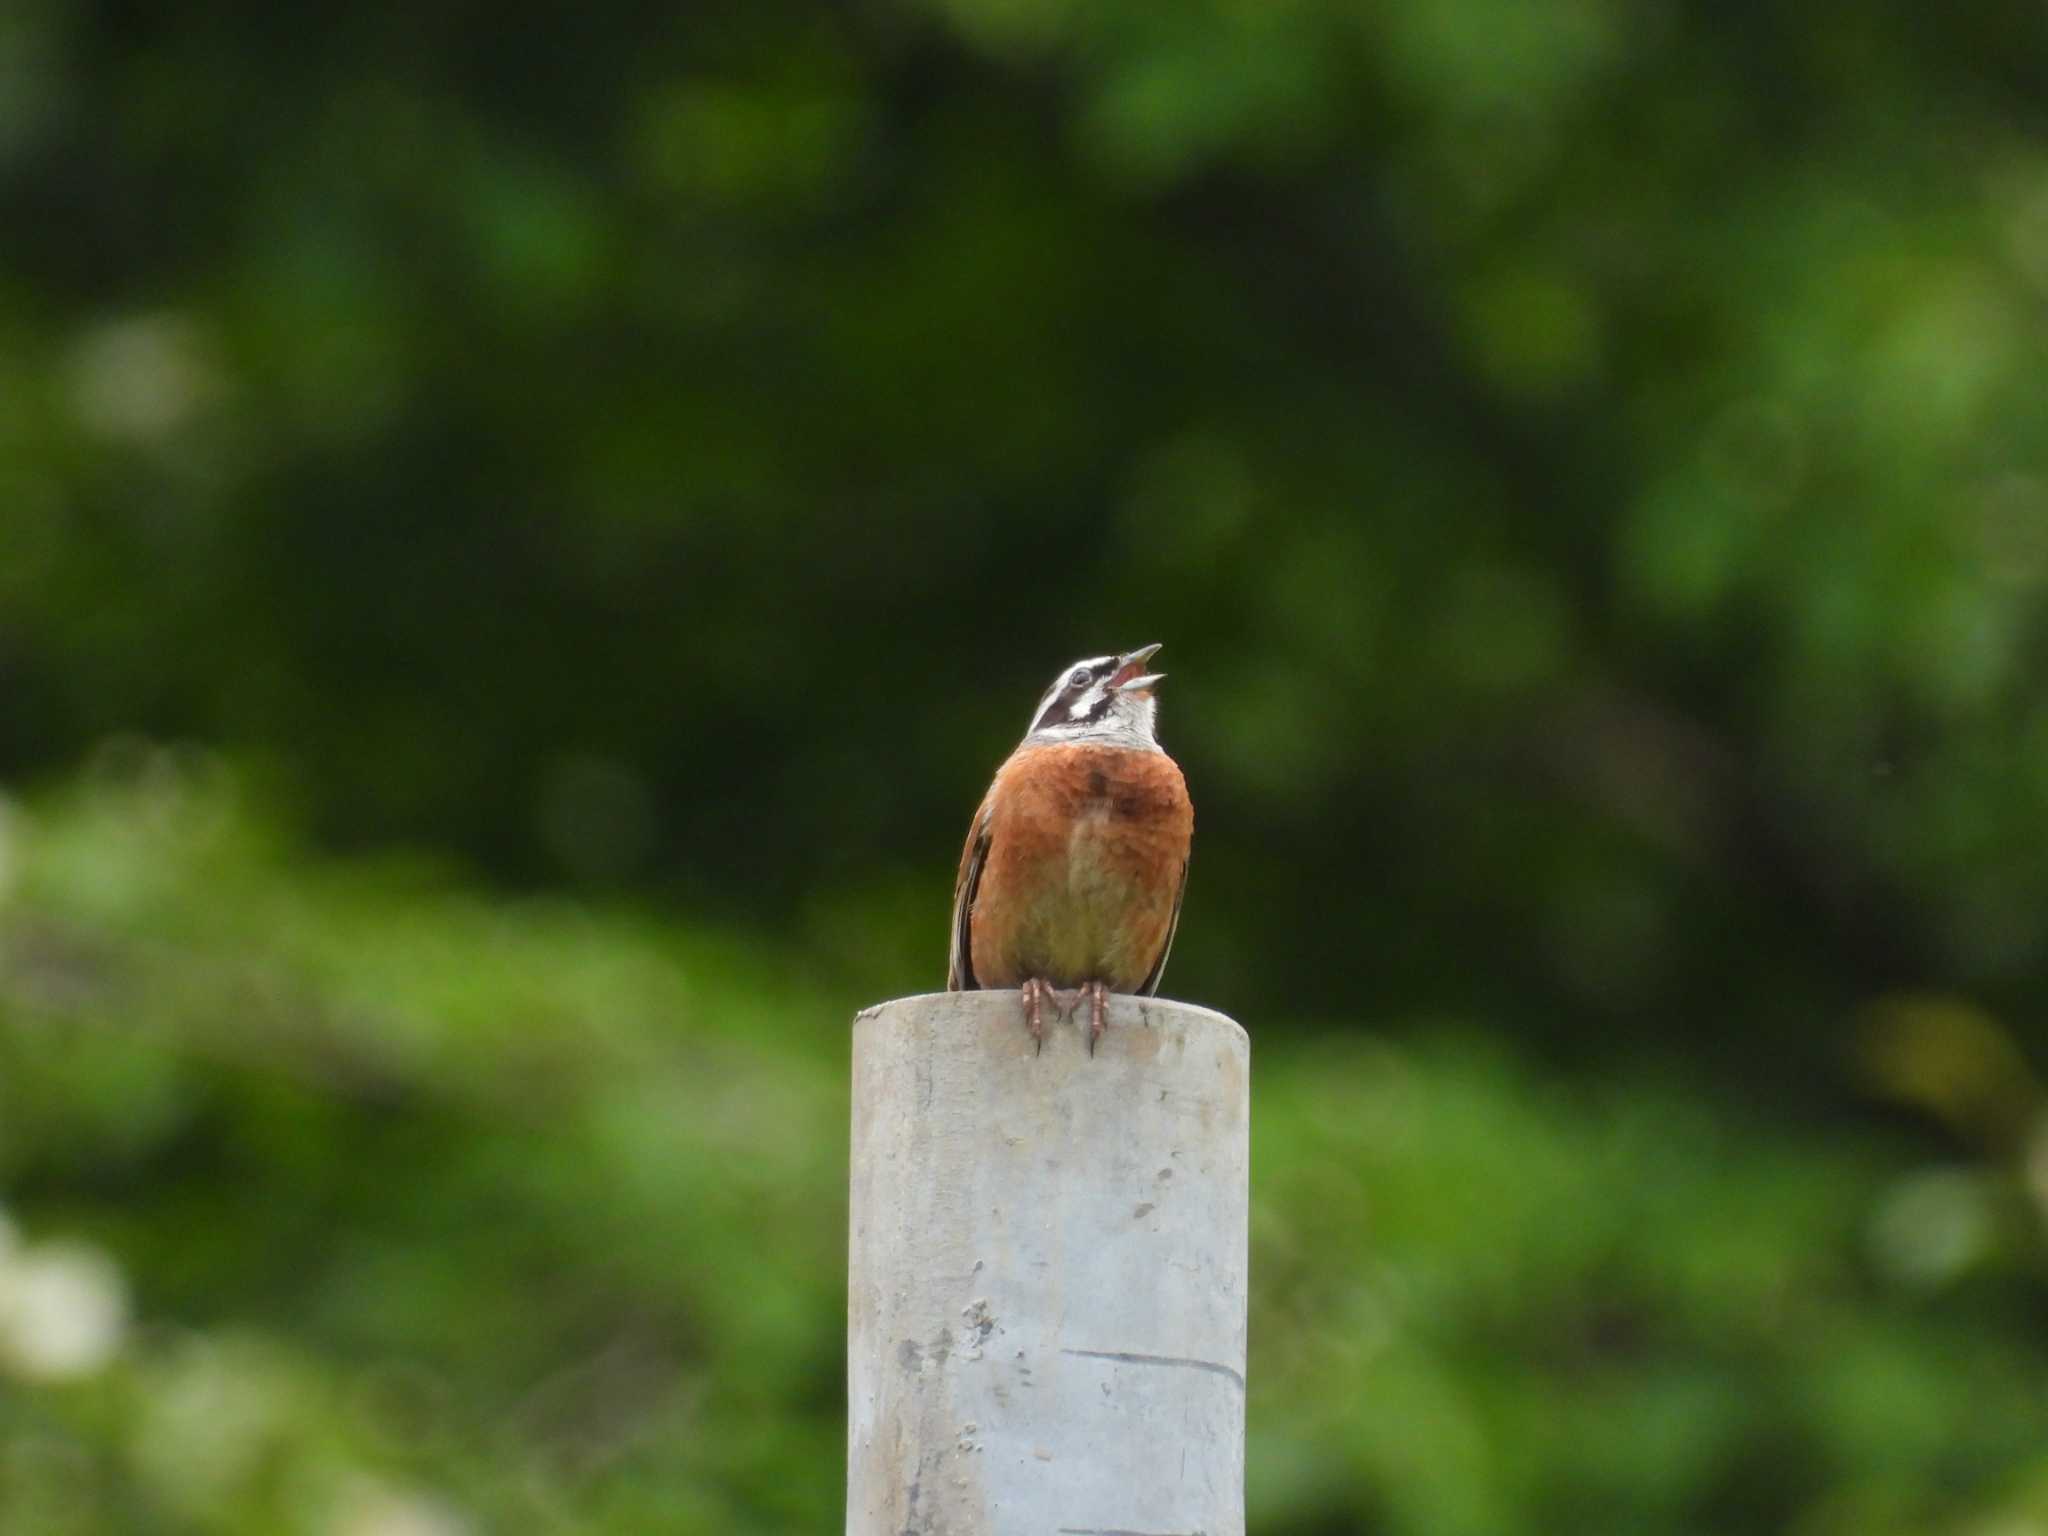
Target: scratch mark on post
x=1124, y=1358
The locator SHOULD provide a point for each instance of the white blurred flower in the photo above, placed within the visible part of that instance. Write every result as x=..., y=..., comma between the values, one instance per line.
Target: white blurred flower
x=1931, y=1226
x=141, y=378
x=372, y=1508
x=63, y=1310
x=212, y=1413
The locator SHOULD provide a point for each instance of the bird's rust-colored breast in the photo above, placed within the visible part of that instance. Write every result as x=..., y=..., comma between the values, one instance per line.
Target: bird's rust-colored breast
x=1087, y=846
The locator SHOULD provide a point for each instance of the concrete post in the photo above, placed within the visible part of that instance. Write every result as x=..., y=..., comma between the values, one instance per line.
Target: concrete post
x=1046, y=1319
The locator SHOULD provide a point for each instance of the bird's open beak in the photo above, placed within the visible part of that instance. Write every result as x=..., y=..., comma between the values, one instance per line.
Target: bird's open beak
x=1130, y=675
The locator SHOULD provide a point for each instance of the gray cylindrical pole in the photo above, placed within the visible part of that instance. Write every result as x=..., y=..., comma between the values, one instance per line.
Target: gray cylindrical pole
x=1046, y=1319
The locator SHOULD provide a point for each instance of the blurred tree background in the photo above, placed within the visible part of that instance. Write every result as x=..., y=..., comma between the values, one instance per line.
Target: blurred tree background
x=523, y=534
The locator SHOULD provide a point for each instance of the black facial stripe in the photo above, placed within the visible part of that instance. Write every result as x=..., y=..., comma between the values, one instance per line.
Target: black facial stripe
x=1067, y=694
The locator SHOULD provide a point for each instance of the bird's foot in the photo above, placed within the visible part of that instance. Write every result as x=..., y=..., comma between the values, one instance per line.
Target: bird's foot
x=1033, y=995
x=1037, y=992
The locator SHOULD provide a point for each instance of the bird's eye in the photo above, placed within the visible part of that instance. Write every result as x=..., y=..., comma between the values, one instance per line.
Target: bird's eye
x=1080, y=676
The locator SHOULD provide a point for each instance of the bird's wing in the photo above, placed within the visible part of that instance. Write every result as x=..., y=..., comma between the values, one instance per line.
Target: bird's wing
x=1150, y=986
x=960, y=962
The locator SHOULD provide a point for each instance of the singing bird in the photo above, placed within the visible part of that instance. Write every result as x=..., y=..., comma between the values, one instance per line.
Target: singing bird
x=1071, y=882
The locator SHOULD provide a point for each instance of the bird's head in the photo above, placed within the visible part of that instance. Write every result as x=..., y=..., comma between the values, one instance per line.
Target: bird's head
x=1110, y=697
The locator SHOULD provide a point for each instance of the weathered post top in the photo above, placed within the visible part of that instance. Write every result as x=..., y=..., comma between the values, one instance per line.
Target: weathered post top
x=1046, y=1312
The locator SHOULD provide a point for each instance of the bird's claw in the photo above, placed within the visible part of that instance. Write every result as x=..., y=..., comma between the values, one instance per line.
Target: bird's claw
x=1032, y=994
x=1035, y=993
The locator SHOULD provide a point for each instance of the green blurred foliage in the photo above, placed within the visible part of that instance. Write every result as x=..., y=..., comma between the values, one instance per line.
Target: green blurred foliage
x=369, y=1206
x=1589, y=465
x=525, y=1199
x=1586, y=463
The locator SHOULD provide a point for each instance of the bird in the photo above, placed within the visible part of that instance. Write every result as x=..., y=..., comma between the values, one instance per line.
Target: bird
x=1076, y=863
